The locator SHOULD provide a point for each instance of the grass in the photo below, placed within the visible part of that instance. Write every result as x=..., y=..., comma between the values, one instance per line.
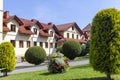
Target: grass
x=82, y=57
x=84, y=72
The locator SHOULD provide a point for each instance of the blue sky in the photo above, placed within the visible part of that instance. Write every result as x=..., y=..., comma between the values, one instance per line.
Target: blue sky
x=59, y=11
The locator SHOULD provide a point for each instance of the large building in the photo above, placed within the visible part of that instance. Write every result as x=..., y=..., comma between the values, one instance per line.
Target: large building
x=24, y=33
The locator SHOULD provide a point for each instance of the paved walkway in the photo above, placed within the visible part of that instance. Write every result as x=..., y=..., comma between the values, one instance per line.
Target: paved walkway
x=26, y=67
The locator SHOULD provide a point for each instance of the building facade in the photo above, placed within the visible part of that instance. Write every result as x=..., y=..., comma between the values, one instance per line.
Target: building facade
x=24, y=33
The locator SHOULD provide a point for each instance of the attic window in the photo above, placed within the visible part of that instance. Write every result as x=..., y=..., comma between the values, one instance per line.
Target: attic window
x=35, y=30
x=51, y=32
x=72, y=27
x=13, y=27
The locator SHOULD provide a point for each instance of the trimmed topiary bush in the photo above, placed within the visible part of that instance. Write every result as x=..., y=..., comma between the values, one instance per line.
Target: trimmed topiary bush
x=71, y=49
x=58, y=63
x=105, y=42
x=7, y=57
x=35, y=55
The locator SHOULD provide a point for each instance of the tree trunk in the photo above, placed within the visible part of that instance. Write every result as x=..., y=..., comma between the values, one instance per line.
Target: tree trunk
x=108, y=77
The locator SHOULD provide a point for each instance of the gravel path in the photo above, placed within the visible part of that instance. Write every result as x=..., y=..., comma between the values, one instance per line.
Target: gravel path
x=26, y=67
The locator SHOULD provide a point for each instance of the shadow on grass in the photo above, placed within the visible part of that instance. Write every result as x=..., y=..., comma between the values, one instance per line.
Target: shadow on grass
x=98, y=78
x=81, y=66
x=46, y=73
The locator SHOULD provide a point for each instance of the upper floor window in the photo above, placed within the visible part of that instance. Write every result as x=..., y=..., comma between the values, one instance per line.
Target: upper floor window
x=72, y=27
x=13, y=42
x=28, y=44
x=67, y=35
x=55, y=45
x=13, y=27
x=51, y=32
x=35, y=30
x=77, y=36
x=21, y=44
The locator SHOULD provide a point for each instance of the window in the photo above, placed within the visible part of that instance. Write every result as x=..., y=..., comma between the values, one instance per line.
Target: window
x=72, y=27
x=77, y=36
x=73, y=36
x=55, y=45
x=51, y=45
x=35, y=43
x=13, y=42
x=21, y=44
x=51, y=32
x=13, y=27
x=35, y=30
x=41, y=44
x=67, y=35
x=46, y=44
x=28, y=44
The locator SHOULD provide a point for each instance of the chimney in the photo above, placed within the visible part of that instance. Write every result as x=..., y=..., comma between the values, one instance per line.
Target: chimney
x=6, y=14
x=50, y=23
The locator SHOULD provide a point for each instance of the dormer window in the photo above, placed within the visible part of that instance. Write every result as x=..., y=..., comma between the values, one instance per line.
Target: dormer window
x=35, y=30
x=13, y=27
x=51, y=32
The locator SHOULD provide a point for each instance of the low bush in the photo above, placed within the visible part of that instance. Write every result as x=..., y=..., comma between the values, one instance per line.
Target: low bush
x=35, y=55
x=71, y=49
x=58, y=63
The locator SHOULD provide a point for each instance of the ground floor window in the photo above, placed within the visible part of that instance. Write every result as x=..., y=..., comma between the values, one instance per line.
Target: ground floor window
x=28, y=44
x=41, y=44
x=35, y=43
x=21, y=44
x=46, y=44
x=51, y=45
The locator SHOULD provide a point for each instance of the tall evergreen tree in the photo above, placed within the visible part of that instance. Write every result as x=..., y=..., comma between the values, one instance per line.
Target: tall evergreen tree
x=105, y=42
x=7, y=57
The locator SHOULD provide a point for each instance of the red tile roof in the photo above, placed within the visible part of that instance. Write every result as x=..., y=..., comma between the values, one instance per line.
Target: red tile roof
x=6, y=20
x=87, y=28
x=64, y=27
x=24, y=31
x=42, y=33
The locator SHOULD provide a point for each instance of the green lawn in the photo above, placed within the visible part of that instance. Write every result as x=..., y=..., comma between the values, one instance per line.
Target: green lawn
x=84, y=72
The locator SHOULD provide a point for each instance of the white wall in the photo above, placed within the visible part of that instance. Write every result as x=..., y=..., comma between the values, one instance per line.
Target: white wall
x=1, y=19
x=70, y=31
x=35, y=37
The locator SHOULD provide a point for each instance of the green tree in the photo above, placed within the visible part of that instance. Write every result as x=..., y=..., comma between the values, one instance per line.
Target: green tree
x=105, y=42
x=7, y=57
x=85, y=49
x=35, y=55
x=59, y=49
x=71, y=49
